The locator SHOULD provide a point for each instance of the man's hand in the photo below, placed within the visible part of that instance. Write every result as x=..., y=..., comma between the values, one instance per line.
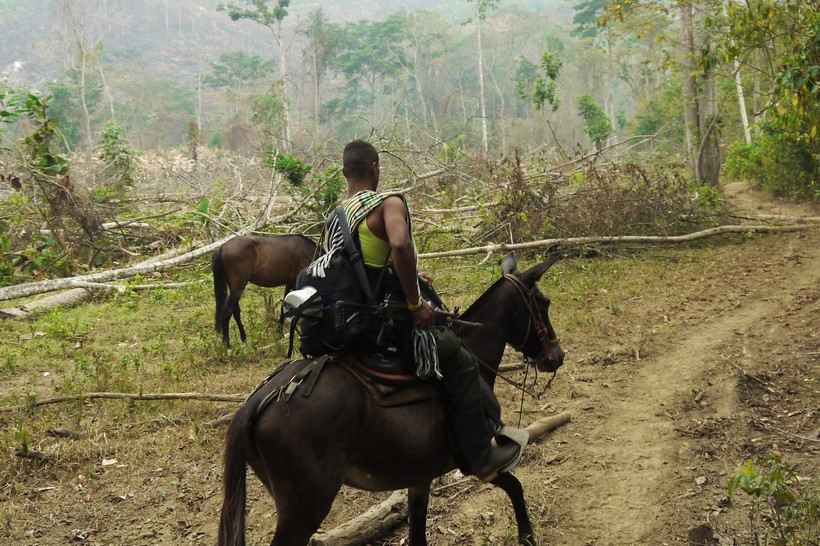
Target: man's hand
x=424, y=316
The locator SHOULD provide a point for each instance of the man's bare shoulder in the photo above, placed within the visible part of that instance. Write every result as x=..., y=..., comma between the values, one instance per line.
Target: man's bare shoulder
x=394, y=201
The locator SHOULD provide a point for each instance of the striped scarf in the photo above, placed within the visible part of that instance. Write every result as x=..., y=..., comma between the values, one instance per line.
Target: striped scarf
x=356, y=209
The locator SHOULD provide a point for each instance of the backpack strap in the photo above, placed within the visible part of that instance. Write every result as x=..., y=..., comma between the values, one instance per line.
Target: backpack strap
x=354, y=253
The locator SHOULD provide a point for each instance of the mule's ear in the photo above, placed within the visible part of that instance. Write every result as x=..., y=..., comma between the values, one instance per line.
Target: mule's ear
x=509, y=264
x=533, y=274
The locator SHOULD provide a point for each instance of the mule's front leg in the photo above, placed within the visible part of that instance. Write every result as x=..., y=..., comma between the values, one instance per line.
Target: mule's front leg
x=418, y=498
x=512, y=487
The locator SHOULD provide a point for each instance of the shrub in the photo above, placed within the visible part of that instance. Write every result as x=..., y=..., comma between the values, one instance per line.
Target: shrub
x=783, y=168
x=118, y=155
x=292, y=168
x=777, y=506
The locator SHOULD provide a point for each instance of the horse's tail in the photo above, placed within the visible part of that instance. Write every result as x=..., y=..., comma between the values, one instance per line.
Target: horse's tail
x=220, y=286
x=234, y=479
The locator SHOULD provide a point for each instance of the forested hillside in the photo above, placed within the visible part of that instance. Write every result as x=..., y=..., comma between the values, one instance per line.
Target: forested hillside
x=479, y=74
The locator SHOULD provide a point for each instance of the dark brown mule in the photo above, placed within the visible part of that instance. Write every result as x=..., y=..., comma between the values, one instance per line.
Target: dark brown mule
x=304, y=448
x=267, y=261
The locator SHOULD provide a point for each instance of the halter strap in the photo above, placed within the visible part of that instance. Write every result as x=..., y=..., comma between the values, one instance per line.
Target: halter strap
x=535, y=318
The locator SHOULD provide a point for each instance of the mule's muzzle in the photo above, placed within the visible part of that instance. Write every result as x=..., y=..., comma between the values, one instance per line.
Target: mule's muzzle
x=546, y=364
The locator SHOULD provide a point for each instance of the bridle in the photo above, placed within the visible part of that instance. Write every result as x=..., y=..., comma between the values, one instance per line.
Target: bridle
x=542, y=332
x=535, y=319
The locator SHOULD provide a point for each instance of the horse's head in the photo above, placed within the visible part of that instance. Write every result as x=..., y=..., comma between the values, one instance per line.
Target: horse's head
x=537, y=338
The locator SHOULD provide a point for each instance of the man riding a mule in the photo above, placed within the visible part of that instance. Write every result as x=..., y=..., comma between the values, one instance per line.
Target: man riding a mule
x=382, y=225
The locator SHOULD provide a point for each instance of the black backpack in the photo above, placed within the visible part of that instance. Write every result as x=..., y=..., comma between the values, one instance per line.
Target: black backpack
x=325, y=324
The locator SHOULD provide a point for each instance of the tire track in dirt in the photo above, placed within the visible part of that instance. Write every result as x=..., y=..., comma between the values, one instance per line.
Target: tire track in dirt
x=627, y=466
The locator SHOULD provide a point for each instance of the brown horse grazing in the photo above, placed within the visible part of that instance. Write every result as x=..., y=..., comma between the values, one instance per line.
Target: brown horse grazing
x=268, y=261
x=304, y=448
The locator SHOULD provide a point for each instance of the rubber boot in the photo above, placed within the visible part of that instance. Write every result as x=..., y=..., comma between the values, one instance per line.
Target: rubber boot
x=470, y=426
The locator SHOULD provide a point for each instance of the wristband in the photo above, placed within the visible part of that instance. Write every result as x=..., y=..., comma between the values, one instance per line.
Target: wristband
x=413, y=307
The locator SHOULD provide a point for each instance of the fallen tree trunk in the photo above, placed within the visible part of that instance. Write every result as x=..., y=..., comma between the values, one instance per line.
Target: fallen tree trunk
x=78, y=294
x=148, y=266
x=33, y=288
x=364, y=528
x=63, y=299
x=393, y=511
x=639, y=239
x=539, y=428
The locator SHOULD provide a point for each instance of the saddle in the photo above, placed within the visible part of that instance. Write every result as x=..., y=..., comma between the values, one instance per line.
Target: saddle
x=385, y=379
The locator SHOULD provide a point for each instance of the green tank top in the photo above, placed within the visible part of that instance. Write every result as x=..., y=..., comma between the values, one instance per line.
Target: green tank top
x=375, y=251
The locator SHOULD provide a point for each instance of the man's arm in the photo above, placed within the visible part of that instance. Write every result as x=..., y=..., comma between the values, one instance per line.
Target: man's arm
x=395, y=213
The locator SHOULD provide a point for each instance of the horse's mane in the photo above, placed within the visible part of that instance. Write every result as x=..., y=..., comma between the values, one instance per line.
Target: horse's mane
x=482, y=300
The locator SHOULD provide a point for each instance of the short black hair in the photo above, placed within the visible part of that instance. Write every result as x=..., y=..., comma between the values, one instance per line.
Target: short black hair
x=357, y=158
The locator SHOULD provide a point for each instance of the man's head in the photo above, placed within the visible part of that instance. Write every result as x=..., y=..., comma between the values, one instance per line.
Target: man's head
x=360, y=162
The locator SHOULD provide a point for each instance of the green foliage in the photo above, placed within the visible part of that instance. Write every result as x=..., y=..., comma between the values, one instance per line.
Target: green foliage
x=785, y=156
x=596, y=122
x=451, y=149
x=481, y=9
x=710, y=198
x=159, y=111
x=6, y=265
x=40, y=143
x=64, y=106
x=292, y=168
x=332, y=187
x=782, y=170
x=620, y=119
x=267, y=110
x=236, y=70
x=118, y=155
x=23, y=437
x=539, y=88
x=258, y=11
x=42, y=256
x=587, y=13
x=776, y=504
x=370, y=53
x=202, y=209
x=323, y=38
x=662, y=114
x=11, y=108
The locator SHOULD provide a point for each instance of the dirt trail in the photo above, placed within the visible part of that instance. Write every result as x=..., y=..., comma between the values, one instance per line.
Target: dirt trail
x=631, y=477
x=633, y=453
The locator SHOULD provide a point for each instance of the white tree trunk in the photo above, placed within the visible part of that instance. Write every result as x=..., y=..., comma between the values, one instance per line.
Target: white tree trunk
x=741, y=103
x=690, y=105
x=283, y=73
x=630, y=239
x=482, y=101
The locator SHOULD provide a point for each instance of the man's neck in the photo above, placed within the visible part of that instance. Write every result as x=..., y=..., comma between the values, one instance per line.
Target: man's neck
x=355, y=187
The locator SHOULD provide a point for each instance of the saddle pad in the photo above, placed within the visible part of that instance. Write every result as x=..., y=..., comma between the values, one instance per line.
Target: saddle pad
x=392, y=392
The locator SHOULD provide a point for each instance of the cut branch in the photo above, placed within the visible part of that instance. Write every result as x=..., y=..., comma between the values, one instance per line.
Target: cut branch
x=540, y=427
x=364, y=528
x=63, y=299
x=640, y=239
x=132, y=396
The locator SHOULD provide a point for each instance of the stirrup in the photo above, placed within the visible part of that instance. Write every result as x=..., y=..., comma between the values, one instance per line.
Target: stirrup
x=505, y=435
